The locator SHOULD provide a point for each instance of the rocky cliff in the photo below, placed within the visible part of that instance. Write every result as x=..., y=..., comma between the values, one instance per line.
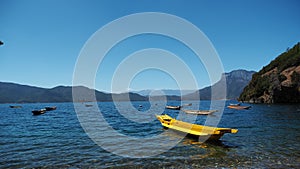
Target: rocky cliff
x=278, y=82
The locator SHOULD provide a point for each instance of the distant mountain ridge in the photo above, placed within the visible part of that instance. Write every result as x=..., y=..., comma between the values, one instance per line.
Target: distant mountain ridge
x=278, y=82
x=168, y=92
x=235, y=82
x=16, y=93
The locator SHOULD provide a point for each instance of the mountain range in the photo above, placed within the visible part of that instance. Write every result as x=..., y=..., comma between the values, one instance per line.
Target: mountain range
x=235, y=82
x=168, y=92
x=16, y=93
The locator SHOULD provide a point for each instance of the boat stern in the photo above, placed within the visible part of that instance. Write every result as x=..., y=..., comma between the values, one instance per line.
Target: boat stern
x=226, y=130
x=234, y=131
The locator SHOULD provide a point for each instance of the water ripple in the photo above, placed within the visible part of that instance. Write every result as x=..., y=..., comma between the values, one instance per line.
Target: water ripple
x=268, y=137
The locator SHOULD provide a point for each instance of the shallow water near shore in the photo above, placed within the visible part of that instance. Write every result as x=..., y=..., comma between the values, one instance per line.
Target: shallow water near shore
x=268, y=137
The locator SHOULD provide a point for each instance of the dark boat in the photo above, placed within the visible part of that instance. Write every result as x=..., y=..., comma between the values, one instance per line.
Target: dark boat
x=88, y=105
x=177, y=107
x=15, y=107
x=38, y=112
x=50, y=108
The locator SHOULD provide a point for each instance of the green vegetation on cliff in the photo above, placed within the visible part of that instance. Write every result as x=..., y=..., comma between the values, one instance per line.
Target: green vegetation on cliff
x=287, y=59
x=278, y=82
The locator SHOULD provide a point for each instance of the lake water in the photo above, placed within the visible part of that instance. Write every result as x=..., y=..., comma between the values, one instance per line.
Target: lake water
x=268, y=137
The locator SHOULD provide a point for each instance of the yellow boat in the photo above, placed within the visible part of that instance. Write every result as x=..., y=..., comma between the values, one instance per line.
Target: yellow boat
x=212, y=133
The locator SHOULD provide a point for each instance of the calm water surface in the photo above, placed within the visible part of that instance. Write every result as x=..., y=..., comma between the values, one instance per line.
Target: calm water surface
x=268, y=137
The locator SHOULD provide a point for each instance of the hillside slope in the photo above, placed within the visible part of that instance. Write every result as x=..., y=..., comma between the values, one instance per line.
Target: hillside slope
x=278, y=82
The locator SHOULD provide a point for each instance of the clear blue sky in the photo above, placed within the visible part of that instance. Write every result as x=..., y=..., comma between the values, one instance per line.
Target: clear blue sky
x=42, y=39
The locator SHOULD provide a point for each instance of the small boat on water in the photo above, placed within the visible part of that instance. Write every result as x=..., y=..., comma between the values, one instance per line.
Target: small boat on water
x=235, y=104
x=213, y=133
x=15, y=107
x=200, y=112
x=88, y=105
x=173, y=107
x=189, y=104
x=50, y=108
x=177, y=107
x=38, y=112
x=239, y=107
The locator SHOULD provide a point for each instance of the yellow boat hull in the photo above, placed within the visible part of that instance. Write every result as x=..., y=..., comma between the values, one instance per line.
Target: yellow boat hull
x=212, y=133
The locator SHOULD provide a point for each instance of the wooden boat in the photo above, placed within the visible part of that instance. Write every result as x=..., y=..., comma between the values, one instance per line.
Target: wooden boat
x=200, y=112
x=235, y=104
x=177, y=107
x=15, y=107
x=238, y=107
x=50, y=108
x=194, y=129
x=173, y=107
x=38, y=112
